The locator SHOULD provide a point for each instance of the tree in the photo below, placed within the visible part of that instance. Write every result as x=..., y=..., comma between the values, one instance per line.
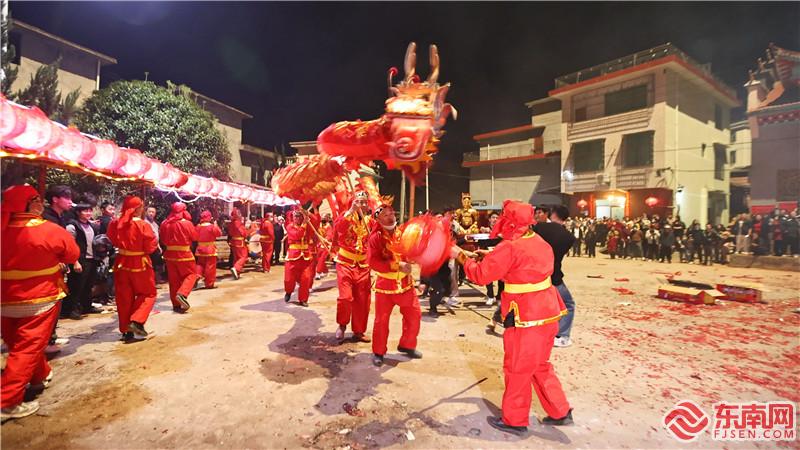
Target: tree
x=8, y=73
x=43, y=93
x=161, y=122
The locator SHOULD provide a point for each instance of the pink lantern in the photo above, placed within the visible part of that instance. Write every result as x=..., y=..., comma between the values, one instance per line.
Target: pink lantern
x=226, y=190
x=216, y=187
x=156, y=172
x=204, y=185
x=191, y=185
x=40, y=133
x=236, y=192
x=74, y=147
x=247, y=194
x=12, y=120
x=136, y=164
x=107, y=156
x=582, y=204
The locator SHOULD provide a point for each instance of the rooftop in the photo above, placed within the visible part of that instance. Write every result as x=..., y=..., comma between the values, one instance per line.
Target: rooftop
x=223, y=105
x=104, y=59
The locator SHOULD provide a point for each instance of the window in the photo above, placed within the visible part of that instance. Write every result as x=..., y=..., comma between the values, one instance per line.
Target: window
x=637, y=149
x=733, y=157
x=588, y=156
x=719, y=161
x=580, y=114
x=718, y=119
x=625, y=100
x=15, y=40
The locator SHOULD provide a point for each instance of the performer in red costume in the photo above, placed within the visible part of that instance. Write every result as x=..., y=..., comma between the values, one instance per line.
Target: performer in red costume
x=325, y=231
x=300, y=238
x=350, y=239
x=34, y=254
x=237, y=235
x=267, y=232
x=177, y=232
x=393, y=286
x=531, y=308
x=134, y=279
x=206, y=252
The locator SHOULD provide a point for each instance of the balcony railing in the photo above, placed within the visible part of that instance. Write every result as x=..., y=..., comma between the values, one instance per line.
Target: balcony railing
x=637, y=59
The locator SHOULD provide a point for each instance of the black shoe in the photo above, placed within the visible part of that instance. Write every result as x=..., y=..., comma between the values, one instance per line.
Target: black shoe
x=433, y=313
x=566, y=420
x=178, y=309
x=75, y=315
x=287, y=297
x=497, y=423
x=182, y=300
x=377, y=360
x=411, y=353
x=92, y=310
x=128, y=336
x=137, y=329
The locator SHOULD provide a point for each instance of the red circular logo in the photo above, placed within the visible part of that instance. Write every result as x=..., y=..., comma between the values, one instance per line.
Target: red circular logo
x=686, y=421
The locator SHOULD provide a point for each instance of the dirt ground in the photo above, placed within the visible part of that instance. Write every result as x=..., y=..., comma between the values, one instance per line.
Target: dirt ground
x=245, y=370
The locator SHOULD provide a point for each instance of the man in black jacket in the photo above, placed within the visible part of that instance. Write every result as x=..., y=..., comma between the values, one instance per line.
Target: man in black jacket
x=561, y=241
x=59, y=199
x=80, y=279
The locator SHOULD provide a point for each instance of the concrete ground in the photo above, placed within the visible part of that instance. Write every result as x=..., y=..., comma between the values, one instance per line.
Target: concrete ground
x=245, y=370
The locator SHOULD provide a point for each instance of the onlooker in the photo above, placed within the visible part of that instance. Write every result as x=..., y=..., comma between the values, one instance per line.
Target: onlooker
x=710, y=238
x=591, y=241
x=80, y=279
x=280, y=236
x=741, y=229
x=666, y=242
x=59, y=199
x=108, y=210
x=157, y=257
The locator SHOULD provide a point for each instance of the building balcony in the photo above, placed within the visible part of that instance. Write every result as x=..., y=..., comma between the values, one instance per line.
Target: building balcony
x=633, y=178
x=633, y=120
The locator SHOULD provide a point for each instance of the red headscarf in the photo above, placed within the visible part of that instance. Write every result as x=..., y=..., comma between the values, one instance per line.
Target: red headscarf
x=15, y=200
x=205, y=216
x=128, y=209
x=514, y=221
x=177, y=212
x=236, y=215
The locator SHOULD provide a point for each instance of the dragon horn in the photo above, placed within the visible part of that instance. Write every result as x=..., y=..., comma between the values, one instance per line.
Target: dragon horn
x=411, y=61
x=434, y=59
x=392, y=73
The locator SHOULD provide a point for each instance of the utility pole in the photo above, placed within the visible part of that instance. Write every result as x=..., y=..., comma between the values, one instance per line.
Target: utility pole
x=427, y=191
x=402, y=195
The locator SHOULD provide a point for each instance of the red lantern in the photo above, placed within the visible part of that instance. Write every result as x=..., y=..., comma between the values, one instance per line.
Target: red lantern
x=39, y=135
x=74, y=147
x=425, y=240
x=12, y=120
x=136, y=164
x=107, y=156
x=582, y=204
x=651, y=201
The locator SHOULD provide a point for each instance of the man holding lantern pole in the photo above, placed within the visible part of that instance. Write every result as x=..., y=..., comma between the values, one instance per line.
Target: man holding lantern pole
x=349, y=245
x=394, y=285
x=531, y=308
x=177, y=233
x=299, y=268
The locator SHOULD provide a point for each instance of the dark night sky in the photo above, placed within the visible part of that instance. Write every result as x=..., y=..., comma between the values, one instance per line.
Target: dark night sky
x=297, y=67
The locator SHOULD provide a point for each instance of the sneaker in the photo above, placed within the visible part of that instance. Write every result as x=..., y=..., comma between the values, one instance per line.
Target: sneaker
x=566, y=420
x=182, y=300
x=490, y=301
x=433, y=313
x=75, y=315
x=562, y=341
x=287, y=297
x=377, y=360
x=43, y=385
x=361, y=337
x=61, y=341
x=24, y=409
x=137, y=329
x=303, y=304
x=52, y=349
x=178, y=309
x=411, y=353
x=497, y=423
x=453, y=301
x=235, y=273
x=92, y=310
x=340, y=333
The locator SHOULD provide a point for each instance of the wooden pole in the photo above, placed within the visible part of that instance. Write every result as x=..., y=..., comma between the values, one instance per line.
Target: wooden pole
x=411, y=199
x=402, y=196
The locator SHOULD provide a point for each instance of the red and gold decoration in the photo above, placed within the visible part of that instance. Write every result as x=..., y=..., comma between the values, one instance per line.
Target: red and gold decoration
x=26, y=133
x=405, y=136
x=425, y=240
x=311, y=179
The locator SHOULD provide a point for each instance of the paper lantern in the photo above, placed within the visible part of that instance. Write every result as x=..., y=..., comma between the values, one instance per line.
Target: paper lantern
x=136, y=164
x=39, y=135
x=204, y=185
x=156, y=172
x=236, y=192
x=248, y=194
x=425, y=240
x=192, y=185
x=107, y=156
x=582, y=203
x=216, y=187
x=651, y=201
x=226, y=190
x=12, y=120
x=74, y=147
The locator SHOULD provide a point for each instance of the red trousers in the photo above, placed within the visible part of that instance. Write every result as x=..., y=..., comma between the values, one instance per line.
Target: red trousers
x=26, y=338
x=526, y=363
x=136, y=295
x=239, y=258
x=409, y=308
x=354, y=297
x=206, y=267
x=299, y=272
x=266, y=255
x=322, y=258
x=182, y=276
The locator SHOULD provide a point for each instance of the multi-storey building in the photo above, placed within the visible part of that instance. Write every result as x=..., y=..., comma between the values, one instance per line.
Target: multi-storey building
x=646, y=133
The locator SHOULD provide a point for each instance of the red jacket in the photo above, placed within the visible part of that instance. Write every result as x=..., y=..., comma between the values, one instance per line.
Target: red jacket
x=267, y=231
x=207, y=234
x=135, y=245
x=350, y=239
x=525, y=264
x=32, y=251
x=177, y=236
x=237, y=234
x=386, y=263
x=300, y=239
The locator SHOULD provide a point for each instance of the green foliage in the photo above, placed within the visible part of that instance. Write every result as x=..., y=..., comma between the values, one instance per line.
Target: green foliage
x=9, y=72
x=164, y=123
x=43, y=93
